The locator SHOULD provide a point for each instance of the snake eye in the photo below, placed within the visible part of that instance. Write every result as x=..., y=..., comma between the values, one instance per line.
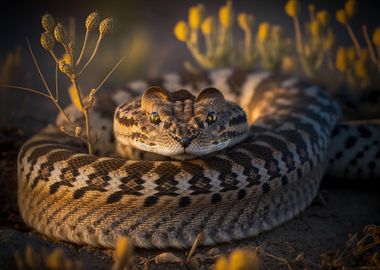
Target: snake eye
x=211, y=118
x=155, y=118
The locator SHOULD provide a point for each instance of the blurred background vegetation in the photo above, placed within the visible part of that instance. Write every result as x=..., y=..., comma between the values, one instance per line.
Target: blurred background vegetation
x=143, y=31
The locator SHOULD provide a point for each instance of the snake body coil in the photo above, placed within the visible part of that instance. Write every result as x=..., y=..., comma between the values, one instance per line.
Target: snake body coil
x=232, y=194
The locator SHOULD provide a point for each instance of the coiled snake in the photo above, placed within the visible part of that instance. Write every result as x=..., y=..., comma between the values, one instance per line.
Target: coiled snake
x=271, y=173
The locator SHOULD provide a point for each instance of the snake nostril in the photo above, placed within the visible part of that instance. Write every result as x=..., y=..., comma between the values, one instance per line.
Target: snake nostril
x=185, y=141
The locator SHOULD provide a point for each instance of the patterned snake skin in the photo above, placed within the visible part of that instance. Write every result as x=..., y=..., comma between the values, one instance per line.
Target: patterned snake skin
x=232, y=194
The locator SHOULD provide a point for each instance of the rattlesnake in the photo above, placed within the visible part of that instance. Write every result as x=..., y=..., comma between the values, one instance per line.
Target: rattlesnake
x=268, y=177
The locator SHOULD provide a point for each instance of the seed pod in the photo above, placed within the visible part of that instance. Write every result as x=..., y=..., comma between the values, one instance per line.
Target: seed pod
x=293, y=8
x=315, y=28
x=47, y=41
x=208, y=26
x=92, y=21
x=105, y=27
x=341, y=16
x=323, y=17
x=167, y=257
x=48, y=23
x=181, y=31
x=262, y=33
x=245, y=21
x=196, y=14
x=226, y=15
x=65, y=67
x=351, y=7
x=61, y=34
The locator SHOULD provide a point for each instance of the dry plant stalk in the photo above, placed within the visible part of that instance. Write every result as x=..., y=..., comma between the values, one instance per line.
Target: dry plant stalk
x=66, y=64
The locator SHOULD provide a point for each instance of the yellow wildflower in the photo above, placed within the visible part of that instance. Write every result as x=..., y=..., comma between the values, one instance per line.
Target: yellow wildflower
x=181, y=31
x=350, y=7
x=262, y=33
x=226, y=15
x=341, y=60
x=323, y=17
x=245, y=21
x=341, y=16
x=292, y=8
x=376, y=36
x=196, y=14
x=208, y=26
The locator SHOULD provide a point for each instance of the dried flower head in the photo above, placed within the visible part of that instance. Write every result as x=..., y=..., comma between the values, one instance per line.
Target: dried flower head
x=181, y=31
x=376, y=36
x=105, y=27
x=64, y=67
x=351, y=7
x=323, y=17
x=92, y=21
x=47, y=41
x=226, y=15
x=293, y=8
x=61, y=34
x=341, y=59
x=262, y=33
x=48, y=23
x=341, y=16
x=208, y=26
x=196, y=15
x=245, y=21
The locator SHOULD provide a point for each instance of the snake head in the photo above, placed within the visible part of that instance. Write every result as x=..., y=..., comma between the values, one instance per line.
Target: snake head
x=178, y=124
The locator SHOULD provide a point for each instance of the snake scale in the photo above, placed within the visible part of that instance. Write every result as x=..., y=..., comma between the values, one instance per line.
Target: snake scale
x=283, y=146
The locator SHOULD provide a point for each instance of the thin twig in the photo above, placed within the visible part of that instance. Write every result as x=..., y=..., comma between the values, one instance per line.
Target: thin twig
x=297, y=29
x=25, y=88
x=56, y=83
x=198, y=240
x=110, y=73
x=354, y=39
x=372, y=54
x=93, y=55
x=83, y=47
x=38, y=68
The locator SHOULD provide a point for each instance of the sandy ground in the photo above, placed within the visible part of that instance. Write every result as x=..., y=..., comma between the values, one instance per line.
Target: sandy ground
x=340, y=210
